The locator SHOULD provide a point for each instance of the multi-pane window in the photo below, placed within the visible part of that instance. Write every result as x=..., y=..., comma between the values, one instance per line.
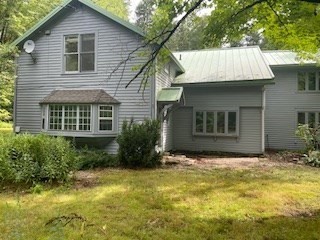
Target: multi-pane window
x=216, y=123
x=105, y=118
x=84, y=117
x=70, y=117
x=55, y=117
x=308, y=81
x=310, y=118
x=79, y=53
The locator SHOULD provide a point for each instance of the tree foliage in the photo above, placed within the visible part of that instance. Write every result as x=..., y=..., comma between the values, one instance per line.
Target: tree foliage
x=287, y=24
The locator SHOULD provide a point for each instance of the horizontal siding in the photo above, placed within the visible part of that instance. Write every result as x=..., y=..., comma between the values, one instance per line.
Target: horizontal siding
x=249, y=140
x=114, y=42
x=283, y=101
x=208, y=97
x=247, y=99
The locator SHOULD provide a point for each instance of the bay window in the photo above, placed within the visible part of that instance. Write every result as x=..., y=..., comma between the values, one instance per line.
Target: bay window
x=105, y=118
x=70, y=117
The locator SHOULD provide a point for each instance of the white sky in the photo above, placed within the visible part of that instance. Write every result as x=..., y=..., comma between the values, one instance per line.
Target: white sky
x=134, y=4
x=132, y=7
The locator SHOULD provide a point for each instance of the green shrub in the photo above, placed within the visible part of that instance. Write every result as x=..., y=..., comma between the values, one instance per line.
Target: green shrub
x=35, y=158
x=313, y=158
x=311, y=138
x=93, y=158
x=137, y=144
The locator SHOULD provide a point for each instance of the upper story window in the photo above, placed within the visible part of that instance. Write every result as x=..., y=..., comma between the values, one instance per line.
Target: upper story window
x=79, y=53
x=308, y=81
x=216, y=123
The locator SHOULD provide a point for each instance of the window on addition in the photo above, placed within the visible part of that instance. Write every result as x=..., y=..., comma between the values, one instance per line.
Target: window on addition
x=310, y=118
x=308, y=81
x=216, y=123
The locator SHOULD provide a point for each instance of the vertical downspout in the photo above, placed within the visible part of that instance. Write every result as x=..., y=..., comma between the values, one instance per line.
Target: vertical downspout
x=262, y=119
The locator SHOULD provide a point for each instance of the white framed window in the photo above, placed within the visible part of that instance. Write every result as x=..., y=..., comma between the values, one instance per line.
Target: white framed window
x=106, y=115
x=311, y=118
x=308, y=81
x=69, y=117
x=216, y=122
x=79, y=53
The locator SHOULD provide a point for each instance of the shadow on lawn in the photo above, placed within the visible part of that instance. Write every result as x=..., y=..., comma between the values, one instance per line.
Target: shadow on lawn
x=158, y=205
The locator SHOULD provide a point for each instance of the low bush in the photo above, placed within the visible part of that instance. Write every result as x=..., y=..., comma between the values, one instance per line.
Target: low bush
x=94, y=158
x=311, y=137
x=137, y=144
x=313, y=158
x=35, y=158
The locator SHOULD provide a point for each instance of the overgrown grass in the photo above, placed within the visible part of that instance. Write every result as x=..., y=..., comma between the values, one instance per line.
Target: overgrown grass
x=273, y=203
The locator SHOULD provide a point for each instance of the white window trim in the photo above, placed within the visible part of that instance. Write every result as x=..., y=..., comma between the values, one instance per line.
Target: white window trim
x=79, y=53
x=215, y=133
x=106, y=118
x=306, y=116
x=63, y=119
x=317, y=72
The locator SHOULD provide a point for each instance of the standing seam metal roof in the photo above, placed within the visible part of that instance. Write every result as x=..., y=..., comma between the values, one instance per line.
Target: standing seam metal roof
x=223, y=65
x=284, y=57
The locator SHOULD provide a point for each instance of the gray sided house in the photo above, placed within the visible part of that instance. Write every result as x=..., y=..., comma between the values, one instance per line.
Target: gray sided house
x=293, y=99
x=68, y=85
x=231, y=100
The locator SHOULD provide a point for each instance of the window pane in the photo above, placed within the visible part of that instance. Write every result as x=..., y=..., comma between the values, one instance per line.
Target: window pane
x=105, y=112
x=301, y=118
x=220, y=122
x=311, y=119
x=71, y=44
x=55, y=117
x=84, y=118
x=210, y=122
x=87, y=43
x=312, y=80
x=232, y=122
x=87, y=62
x=301, y=81
x=70, y=117
x=199, y=121
x=105, y=125
x=71, y=62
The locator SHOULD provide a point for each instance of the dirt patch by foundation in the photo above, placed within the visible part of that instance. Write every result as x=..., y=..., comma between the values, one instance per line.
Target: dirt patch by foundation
x=233, y=162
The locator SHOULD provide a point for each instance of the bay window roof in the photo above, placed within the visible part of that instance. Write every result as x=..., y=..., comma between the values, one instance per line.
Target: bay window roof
x=89, y=96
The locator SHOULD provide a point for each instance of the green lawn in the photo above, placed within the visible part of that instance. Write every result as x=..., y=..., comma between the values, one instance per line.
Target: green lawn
x=264, y=203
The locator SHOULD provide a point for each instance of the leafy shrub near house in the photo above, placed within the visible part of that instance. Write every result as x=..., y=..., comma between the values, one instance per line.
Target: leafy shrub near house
x=311, y=138
x=137, y=144
x=35, y=158
x=94, y=158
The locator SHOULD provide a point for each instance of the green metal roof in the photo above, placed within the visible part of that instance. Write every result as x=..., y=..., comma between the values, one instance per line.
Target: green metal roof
x=243, y=65
x=171, y=94
x=285, y=58
x=89, y=4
